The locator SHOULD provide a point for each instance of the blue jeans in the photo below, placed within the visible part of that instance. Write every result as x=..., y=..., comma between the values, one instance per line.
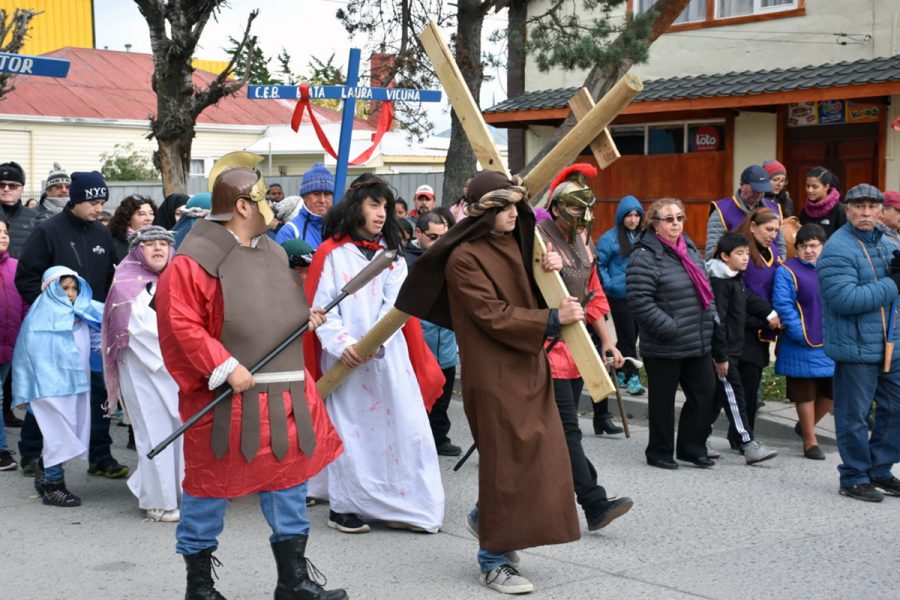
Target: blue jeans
x=487, y=560
x=54, y=473
x=203, y=519
x=31, y=441
x=856, y=385
x=4, y=371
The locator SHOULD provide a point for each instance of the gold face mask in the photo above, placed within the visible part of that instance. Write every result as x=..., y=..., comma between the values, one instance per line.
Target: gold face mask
x=258, y=195
x=576, y=207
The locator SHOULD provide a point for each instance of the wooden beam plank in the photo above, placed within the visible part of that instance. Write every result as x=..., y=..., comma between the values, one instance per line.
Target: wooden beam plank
x=467, y=111
x=581, y=347
x=598, y=118
x=603, y=147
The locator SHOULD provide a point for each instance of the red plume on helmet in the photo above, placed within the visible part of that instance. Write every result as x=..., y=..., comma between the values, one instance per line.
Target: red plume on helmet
x=577, y=169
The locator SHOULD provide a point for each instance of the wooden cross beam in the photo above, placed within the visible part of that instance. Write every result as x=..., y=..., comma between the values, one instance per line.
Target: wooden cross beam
x=596, y=119
x=603, y=147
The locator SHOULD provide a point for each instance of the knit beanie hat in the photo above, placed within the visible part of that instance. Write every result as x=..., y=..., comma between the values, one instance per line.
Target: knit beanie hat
x=285, y=209
x=200, y=200
x=773, y=168
x=317, y=179
x=57, y=176
x=11, y=171
x=87, y=187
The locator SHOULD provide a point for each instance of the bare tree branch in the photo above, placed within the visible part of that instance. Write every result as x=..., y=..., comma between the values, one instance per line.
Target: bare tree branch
x=16, y=28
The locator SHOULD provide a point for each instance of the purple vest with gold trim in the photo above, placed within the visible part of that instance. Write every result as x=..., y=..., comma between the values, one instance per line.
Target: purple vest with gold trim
x=732, y=213
x=759, y=280
x=809, y=302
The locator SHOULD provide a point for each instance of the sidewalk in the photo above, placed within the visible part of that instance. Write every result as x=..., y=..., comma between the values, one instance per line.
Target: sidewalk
x=775, y=530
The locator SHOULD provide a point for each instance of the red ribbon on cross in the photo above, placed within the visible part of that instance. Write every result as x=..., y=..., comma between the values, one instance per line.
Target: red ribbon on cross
x=384, y=124
x=896, y=124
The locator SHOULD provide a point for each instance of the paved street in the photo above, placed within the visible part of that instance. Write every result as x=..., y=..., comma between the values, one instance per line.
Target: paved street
x=778, y=530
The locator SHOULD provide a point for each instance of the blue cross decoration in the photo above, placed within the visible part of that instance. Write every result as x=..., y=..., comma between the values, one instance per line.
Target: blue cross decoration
x=21, y=64
x=349, y=93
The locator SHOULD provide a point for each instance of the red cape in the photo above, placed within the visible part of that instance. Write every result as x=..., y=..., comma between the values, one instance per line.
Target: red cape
x=428, y=372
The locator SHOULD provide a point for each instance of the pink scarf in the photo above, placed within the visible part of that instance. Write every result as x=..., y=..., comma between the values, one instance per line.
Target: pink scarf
x=697, y=275
x=819, y=209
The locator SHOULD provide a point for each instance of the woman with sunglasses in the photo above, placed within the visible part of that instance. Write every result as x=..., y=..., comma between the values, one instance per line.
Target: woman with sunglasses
x=135, y=212
x=670, y=295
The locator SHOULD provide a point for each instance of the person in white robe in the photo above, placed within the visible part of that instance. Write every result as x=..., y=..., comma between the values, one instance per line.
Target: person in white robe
x=389, y=470
x=135, y=372
x=51, y=366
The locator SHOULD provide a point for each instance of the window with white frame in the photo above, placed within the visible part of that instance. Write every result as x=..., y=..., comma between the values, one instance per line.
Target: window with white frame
x=737, y=8
x=197, y=167
x=669, y=138
x=695, y=11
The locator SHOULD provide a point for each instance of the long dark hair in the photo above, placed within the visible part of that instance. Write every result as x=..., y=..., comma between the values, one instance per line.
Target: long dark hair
x=118, y=224
x=345, y=217
x=625, y=243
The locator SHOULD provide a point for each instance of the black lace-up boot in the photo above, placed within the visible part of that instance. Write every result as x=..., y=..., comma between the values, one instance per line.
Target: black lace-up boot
x=298, y=578
x=200, y=570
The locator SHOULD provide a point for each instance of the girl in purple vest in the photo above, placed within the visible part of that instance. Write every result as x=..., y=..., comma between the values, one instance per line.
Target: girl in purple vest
x=800, y=352
x=761, y=228
x=823, y=205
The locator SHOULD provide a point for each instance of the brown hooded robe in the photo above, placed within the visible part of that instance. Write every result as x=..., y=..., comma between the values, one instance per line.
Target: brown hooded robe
x=525, y=493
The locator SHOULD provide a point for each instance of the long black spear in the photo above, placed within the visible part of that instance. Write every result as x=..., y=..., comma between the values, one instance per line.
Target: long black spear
x=369, y=272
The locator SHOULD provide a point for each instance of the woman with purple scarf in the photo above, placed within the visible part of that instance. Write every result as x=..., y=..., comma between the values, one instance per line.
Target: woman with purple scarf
x=135, y=372
x=823, y=206
x=669, y=294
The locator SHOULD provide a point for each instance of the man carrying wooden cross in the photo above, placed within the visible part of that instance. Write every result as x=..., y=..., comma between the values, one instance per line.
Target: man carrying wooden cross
x=477, y=279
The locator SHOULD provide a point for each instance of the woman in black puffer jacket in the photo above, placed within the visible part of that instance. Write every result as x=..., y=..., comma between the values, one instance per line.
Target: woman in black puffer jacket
x=670, y=296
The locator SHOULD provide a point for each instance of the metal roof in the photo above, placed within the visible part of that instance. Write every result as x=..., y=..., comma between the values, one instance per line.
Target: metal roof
x=745, y=83
x=113, y=85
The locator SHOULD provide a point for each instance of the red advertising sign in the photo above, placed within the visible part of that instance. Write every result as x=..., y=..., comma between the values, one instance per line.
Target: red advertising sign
x=706, y=138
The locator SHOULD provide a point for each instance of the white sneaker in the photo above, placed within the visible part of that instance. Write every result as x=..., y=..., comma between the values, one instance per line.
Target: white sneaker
x=160, y=515
x=506, y=580
x=754, y=452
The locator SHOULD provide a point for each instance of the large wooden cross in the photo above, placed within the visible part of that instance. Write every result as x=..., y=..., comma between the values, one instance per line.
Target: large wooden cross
x=591, y=130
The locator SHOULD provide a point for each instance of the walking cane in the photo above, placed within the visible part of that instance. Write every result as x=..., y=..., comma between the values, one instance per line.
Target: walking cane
x=888, y=336
x=612, y=375
x=369, y=272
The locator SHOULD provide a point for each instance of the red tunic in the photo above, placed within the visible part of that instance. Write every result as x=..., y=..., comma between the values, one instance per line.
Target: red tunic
x=190, y=313
x=562, y=365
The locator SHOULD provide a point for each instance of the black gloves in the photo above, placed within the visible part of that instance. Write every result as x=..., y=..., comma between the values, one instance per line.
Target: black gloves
x=895, y=268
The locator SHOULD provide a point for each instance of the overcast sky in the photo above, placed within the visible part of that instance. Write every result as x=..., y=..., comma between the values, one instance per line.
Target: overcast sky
x=304, y=28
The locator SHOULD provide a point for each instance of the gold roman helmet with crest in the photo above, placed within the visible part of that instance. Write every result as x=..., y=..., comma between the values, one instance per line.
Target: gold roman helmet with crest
x=235, y=176
x=573, y=197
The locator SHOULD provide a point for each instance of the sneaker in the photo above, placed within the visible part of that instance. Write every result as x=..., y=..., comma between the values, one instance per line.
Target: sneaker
x=512, y=556
x=29, y=466
x=38, y=467
x=56, y=494
x=621, y=377
x=753, y=452
x=506, y=580
x=612, y=510
x=160, y=515
x=6, y=461
x=109, y=468
x=634, y=386
x=891, y=486
x=862, y=491
x=448, y=449
x=348, y=523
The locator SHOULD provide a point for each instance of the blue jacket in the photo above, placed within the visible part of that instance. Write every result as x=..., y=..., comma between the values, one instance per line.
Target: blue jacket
x=794, y=356
x=611, y=263
x=305, y=226
x=852, y=295
x=442, y=343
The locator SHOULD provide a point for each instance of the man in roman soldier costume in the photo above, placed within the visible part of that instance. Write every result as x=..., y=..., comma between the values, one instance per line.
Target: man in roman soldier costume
x=477, y=280
x=215, y=320
x=571, y=206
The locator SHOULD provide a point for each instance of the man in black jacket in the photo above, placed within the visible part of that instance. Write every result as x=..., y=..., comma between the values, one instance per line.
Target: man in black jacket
x=75, y=239
x=19, y=217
